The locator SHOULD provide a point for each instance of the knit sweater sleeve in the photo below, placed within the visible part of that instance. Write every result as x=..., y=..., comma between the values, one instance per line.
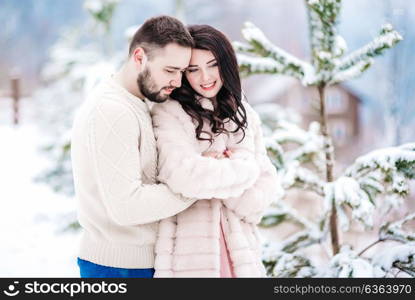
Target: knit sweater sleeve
x=251, y=205
x=182, y=166
x=113, y=142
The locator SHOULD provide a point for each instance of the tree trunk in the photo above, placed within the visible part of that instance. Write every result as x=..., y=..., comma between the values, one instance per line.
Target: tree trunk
x=328, y=149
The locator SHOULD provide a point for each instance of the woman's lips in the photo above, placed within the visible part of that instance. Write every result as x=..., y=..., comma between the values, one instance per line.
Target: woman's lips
x=208, y=87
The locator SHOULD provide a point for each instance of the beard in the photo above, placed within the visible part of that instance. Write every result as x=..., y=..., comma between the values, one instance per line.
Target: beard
x=148, y=88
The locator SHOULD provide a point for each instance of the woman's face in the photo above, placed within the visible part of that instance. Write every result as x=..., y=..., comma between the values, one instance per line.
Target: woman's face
x=203, y=73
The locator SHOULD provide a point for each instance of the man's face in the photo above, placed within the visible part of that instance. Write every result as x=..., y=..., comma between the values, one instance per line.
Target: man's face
x=163, y=73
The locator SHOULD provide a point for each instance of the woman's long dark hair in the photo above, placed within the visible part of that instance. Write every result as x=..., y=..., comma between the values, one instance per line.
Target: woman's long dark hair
x=229, y=98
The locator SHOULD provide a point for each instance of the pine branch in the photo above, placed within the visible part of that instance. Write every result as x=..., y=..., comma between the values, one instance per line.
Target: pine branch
x=309, y=144
x=326, y=45
x=243, y=47
x=369, y=246
x=293, y=266
x=386, y=39
x=393, y=231
x=261, y=46
x=385, y=171
x=322, y=19
x=299, y=177
x=281, y=210
x=408, y=268
x=354, y=71
x=401, y=257
x=401, y=159
x=346, y=191
x=102, y=11
x=290, y=133
x=347, y=264
x=249, y=65
x=299, y=240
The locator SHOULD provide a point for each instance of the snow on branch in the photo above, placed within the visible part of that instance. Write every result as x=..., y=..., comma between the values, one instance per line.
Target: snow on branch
x=391, y=167
x=303, y=178
x=328, y=63
x=280, y=212
x=352, y=72
x=101, y=10
x=283, y=265
x=386, y=39
x=243, y=47
x=384, y=171
x=401, y=158
x=275, y=153
x=307, y=150
x=311, y=149
x=272, y=114
x=260, y=45
x=347, y=264
x=301, y=239
x=249, y=65
x=322, y=19
x=401, y=257
x=346, y=191
x=394, y=231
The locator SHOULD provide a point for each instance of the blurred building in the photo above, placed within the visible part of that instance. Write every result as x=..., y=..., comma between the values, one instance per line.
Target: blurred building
x=343, y=106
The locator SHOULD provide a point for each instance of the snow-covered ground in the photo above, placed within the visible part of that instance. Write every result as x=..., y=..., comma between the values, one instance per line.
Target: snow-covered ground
x=32, y=216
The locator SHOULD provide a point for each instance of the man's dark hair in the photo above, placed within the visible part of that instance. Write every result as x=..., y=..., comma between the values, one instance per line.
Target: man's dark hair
x=157, y=32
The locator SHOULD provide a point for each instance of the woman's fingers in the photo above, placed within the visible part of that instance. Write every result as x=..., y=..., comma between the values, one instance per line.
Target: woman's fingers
x=214, y=154
x=227, y=153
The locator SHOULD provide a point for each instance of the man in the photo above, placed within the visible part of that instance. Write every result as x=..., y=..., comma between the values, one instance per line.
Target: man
x=114, y=155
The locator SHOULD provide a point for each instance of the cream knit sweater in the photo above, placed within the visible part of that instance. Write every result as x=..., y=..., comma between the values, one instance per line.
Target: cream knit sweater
x=114, y=161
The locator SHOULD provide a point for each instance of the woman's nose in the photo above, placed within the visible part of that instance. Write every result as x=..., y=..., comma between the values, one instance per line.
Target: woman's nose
x=205, y=76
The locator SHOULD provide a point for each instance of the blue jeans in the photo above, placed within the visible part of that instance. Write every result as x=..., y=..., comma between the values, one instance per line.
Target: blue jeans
x=91, y=270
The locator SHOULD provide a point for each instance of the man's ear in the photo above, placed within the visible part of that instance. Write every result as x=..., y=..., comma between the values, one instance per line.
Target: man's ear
x=140, y=58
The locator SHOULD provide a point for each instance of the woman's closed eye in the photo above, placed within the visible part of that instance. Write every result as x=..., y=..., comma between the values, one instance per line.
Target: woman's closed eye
x=192, y=70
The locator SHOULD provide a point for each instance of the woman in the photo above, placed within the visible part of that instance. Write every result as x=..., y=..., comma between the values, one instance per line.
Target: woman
x=210, y=147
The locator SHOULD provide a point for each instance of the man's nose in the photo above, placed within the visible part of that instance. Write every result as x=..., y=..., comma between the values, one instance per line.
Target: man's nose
x=177, y=82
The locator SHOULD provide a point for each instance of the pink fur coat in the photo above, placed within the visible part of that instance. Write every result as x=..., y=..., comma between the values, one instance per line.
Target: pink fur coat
x=234, y=191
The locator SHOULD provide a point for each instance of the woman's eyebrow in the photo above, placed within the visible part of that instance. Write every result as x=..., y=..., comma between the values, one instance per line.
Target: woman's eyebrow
x=206, y=63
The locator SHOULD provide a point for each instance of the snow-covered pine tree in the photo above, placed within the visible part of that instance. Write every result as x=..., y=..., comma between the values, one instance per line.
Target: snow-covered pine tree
x=102, y=11
x=77, y=61
x=377, y=179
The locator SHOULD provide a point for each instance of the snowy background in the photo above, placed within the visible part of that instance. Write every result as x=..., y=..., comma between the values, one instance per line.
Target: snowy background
x=33, y=218
x=45, y=44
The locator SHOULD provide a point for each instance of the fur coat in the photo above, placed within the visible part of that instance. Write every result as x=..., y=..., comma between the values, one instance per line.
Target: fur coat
x=234, y=191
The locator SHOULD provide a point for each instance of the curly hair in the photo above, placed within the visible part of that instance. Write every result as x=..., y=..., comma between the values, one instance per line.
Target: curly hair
x=229, y=98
